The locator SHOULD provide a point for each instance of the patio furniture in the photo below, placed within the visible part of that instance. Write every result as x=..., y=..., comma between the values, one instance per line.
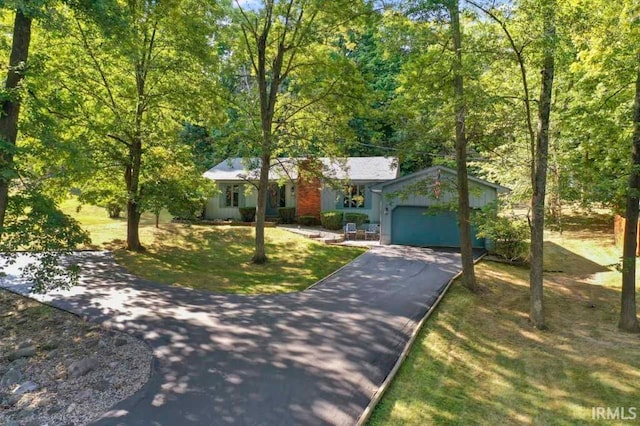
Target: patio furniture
x=350, y=229
x=373, y=230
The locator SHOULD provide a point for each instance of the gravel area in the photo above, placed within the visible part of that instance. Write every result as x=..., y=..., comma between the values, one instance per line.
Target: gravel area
x=57, y=369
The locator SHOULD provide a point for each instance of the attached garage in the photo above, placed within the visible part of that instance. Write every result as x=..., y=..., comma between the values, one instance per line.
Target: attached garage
x=418, y=226
x=417, y=209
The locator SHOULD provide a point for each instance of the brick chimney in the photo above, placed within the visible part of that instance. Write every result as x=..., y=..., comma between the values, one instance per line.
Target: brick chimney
x=309, y=188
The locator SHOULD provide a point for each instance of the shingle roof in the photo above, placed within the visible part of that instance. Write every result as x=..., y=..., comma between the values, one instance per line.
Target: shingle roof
x=351, y=168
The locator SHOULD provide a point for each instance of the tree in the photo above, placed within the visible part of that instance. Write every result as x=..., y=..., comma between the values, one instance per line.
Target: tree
x=445, y=52
x=11, y=103
x=295, y=68
x=628, y=313
x=464, y=223
x=29, y=219
x=129, y=78
x=538, y=141
x=539, y=175
x=603, y=123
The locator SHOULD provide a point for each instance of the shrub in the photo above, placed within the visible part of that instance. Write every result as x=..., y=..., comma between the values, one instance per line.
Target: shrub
x=114, y=210
x=508, y=234
x=248, y=214
x=287, y=214
x=308, y=221
x=357, y=218
x=331, y=219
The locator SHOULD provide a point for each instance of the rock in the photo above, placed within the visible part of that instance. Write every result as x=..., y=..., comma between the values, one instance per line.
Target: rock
x=52, y=354
x=54, y=409
x=12, y=400
x=21, y=321
x=72, y=407
x=113, y=364
x=101, y=385
x=11, y=377
x=18, y=363
x=25, y=352
x=85, y=394
x=102, y=343
x=26, y=387
x=25, y=344
x=120, y=341
x=82, y=367
x=51, y=345
x=90, y=344
x=23, y=414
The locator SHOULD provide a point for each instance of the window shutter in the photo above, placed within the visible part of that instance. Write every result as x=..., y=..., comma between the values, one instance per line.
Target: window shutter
x=223, y=195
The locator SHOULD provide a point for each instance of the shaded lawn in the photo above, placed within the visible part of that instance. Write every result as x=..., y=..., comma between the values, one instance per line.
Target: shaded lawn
x=478, y=361
x=213, y=258
x=217, y=259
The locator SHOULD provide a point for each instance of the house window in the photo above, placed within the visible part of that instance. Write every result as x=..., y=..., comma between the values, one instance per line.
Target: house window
x=232, y=196
x=353, y=197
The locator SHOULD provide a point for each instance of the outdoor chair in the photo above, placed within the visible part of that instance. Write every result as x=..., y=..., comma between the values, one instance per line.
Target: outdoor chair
x=372, y=229
x=350, y=229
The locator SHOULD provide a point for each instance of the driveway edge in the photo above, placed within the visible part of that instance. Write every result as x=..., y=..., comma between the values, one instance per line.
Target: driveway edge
x=366, y=414
x=323, y=279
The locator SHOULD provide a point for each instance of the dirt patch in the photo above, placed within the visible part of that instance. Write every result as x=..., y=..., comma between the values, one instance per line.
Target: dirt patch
x=58, y=369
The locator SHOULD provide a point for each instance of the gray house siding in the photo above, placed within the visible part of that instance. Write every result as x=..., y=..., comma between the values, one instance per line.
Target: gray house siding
x=332, y=200
x=249, y=198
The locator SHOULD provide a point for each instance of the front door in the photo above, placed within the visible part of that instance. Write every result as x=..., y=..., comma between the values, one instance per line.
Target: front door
x=275, y=199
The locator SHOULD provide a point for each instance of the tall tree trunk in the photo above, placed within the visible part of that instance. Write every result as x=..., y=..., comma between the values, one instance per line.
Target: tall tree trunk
x=539, y=171
x=11, y=106
x=260, y=255
x=132, y=179
x=628, y=314
x=133, y=224
x=466, y=245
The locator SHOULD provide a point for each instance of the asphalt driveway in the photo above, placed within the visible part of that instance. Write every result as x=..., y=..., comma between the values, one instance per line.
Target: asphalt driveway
x=309, y=358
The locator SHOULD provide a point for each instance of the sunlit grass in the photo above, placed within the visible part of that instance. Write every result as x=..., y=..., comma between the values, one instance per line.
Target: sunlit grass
x=214, y=258
x=478, y=361
x=106, y=232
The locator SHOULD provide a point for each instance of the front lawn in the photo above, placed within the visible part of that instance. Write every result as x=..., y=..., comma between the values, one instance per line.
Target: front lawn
x=214, y=258
x=478, y=361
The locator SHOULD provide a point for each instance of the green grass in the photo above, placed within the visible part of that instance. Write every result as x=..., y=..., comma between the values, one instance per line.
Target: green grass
x=106, y=232
x=214, y=258
x=478, y=361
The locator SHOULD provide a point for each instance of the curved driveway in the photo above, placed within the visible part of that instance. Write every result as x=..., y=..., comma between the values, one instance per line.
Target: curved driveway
x=309, y=358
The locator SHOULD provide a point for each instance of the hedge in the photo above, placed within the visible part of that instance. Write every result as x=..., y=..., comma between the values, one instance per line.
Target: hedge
x=308, y=220
x=248, y=214
x=287, y=214
x=357, y=218
x=331, y=219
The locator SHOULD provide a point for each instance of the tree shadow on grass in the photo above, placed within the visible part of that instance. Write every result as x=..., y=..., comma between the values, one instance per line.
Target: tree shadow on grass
x=559, y=259
x=219, y=260
x=478, y=361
